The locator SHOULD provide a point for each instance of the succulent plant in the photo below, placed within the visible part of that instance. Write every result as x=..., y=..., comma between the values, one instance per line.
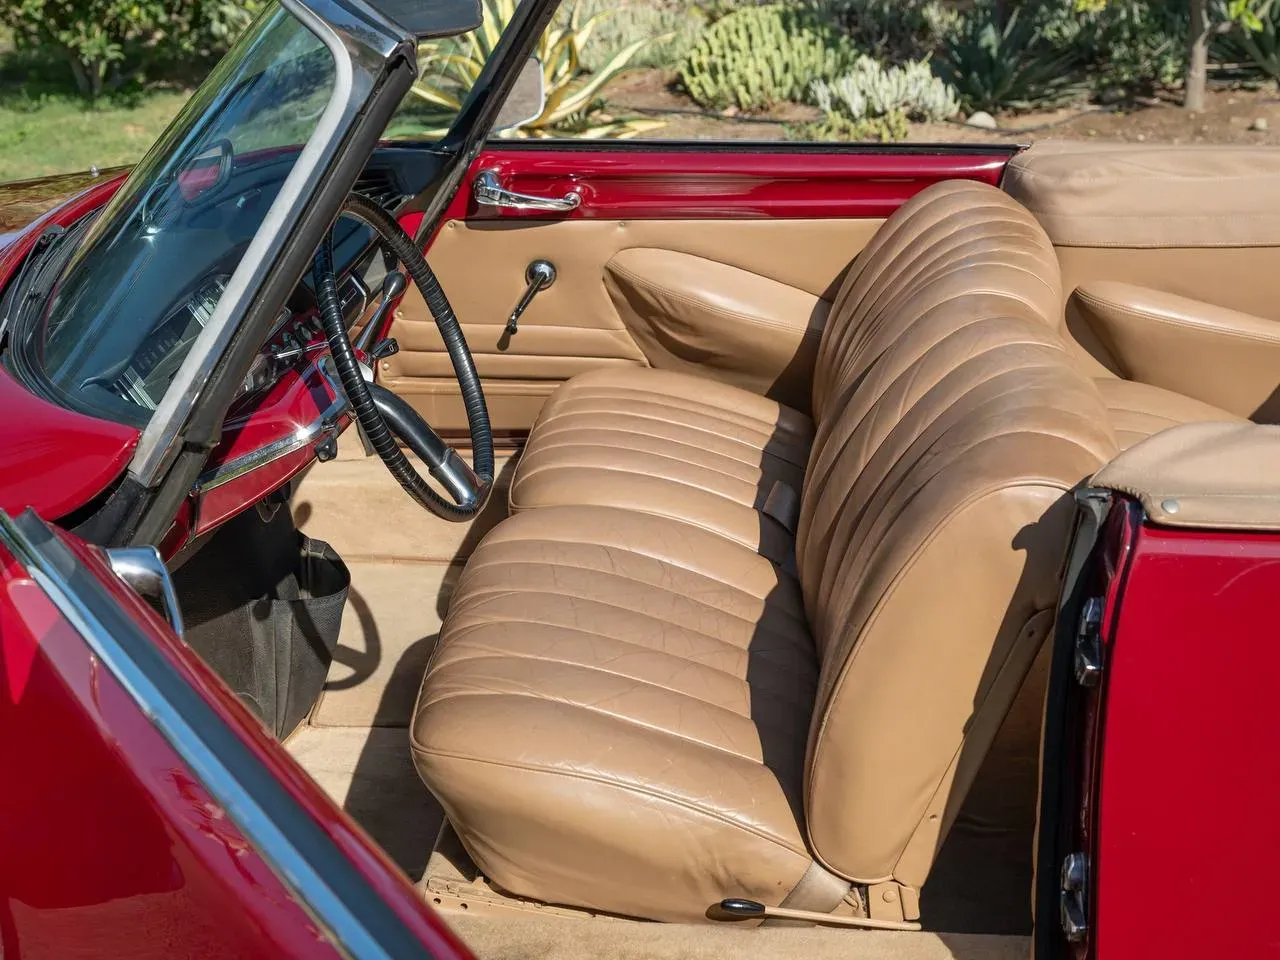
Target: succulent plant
x=757, y=57
x=872, y=90
x=837, y=126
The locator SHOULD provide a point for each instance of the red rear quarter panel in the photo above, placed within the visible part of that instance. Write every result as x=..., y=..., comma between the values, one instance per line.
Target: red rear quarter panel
x=1188, y=815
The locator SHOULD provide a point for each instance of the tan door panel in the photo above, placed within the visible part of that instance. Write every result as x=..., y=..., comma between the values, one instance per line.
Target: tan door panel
x=710, y=319
x=574, y=325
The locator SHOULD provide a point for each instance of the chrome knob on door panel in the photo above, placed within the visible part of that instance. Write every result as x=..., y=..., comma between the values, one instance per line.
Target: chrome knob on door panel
x=539, y=275
x=489, y=192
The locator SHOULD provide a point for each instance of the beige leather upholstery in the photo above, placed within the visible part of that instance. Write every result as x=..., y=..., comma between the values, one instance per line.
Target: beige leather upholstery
x=642, y=703
x=668, y=444
x=1138, y=410
x=1200, y=222
x=616, y=715
x=698, y=316
x=582, y=323
x=1224, y=358
x=1208, y=475
x=1089, y=194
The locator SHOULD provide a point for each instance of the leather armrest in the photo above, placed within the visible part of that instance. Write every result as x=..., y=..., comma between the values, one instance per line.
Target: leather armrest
x=1219, y=356
x=1210, y=475
x=710, y=319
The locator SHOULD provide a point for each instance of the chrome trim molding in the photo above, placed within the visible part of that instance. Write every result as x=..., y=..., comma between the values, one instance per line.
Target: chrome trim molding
x=323, y=427
x=192, y=730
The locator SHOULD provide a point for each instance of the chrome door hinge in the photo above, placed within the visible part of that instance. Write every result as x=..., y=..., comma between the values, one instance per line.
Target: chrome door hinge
x=1073, y=896
x=1089, y=643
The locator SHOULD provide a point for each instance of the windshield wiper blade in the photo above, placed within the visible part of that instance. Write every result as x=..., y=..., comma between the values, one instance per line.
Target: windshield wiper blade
x=18, y=295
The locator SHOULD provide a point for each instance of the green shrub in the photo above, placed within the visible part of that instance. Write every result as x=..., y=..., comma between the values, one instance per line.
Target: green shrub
x=836, y=126
x=871, y=90
x=668, y=31
x=761, y=56
x=1004, y=61
x=1257, y=43
x=894, y=30
x=1128, y=44
x=105, y=42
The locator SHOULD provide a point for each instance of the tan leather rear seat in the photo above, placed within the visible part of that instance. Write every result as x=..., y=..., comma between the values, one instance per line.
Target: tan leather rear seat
x=631, y=710
x=1139, y=410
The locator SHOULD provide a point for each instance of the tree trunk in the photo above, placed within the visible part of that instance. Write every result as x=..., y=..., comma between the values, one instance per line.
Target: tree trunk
x=1197, y=57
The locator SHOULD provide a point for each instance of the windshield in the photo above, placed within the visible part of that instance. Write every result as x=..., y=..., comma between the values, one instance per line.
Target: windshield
x=157, y=260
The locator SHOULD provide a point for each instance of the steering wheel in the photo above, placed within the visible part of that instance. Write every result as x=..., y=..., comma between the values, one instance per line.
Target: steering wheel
x=384, y=416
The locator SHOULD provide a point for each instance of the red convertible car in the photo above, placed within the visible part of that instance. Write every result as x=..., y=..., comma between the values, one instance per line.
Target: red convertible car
x=802, y=550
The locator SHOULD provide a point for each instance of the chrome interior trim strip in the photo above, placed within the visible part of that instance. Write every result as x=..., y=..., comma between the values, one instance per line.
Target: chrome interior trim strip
x=326, y=423
x=355, y=919
x=351, y=89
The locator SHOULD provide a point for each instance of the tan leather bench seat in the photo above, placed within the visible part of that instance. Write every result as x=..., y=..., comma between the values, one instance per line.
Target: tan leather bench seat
x=640, y=691
x=631, y=709
x=668, y=444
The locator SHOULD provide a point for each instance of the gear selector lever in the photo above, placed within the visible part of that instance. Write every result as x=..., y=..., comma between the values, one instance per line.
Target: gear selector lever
x=393, y=285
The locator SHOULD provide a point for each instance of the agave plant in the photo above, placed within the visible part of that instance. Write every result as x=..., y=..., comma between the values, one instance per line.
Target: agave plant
x=1001, y=61
x=449, y=69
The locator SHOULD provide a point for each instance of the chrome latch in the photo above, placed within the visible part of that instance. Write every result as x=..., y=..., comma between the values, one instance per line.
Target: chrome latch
x=1073, y=896
x=1089, y=643
x=538, y=275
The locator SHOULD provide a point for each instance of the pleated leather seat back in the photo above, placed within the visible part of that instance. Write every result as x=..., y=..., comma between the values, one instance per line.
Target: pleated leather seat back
x=951, y=426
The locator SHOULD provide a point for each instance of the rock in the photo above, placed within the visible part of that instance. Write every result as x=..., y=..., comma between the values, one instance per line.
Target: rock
x=982, y=120
x=1259, y=124
x=1141, y=138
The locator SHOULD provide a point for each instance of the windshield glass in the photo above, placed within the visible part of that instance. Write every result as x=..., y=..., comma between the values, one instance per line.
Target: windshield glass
x=157, y=260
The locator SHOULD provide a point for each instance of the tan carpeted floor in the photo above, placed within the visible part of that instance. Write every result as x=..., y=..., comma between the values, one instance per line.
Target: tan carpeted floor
x=536, y=938
x=354, y=504
x=389, y=628
x=369, y=773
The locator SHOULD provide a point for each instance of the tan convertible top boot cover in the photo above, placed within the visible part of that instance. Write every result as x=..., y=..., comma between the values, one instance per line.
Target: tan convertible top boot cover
x=637, y=705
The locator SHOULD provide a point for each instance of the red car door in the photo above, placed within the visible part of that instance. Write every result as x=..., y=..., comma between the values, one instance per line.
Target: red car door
x=143, y=813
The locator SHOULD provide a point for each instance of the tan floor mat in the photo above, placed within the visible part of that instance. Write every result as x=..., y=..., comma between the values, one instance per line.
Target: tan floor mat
x=508, y=938
x=354, y=504
x=370, y=774
x=389, y=628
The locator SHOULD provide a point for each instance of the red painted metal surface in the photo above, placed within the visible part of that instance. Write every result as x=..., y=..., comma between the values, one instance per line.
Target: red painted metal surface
x=27, y=208
x=53, y=459
x=1187, y=832
x=111, y=847
x=702, y=185
x=298, y=401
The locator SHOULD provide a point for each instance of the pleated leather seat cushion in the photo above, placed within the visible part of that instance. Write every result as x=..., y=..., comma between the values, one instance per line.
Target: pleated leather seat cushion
x=668, y=444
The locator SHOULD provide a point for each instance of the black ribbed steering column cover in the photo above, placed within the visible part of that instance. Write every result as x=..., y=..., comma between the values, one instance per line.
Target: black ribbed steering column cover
x=353, y=383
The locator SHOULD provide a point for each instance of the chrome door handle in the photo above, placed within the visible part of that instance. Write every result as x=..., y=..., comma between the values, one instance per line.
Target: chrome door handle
x=489, y=192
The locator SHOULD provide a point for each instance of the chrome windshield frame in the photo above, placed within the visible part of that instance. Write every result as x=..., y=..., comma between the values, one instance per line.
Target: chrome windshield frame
x=363, y=45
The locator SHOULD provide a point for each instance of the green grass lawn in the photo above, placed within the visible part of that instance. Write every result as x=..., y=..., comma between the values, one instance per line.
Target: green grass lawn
x=45, y=128
x=57, y=133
